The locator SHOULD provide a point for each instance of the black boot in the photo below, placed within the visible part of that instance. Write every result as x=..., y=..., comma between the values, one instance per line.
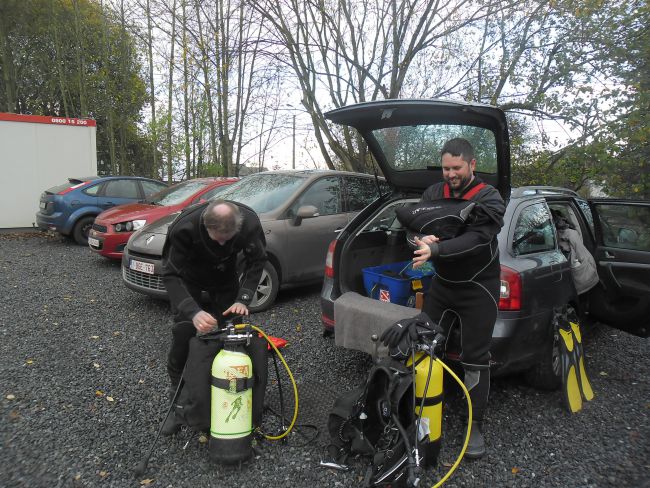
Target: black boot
x=171, y=425
x=476, y=445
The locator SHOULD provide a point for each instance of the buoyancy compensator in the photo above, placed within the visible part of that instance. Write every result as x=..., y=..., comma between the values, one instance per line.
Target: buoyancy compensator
x=376, y=420
x=395, y=418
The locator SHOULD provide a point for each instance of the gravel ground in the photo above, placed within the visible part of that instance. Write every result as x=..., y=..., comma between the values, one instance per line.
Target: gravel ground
x=83, y=392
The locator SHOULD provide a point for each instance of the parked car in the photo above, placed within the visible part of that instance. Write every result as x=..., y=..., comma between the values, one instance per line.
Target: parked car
x=71, y=208
x=300, y=211
x=112, y=228
x=405, y=137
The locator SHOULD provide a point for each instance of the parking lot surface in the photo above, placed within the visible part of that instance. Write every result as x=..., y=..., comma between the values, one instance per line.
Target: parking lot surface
x=83, y=391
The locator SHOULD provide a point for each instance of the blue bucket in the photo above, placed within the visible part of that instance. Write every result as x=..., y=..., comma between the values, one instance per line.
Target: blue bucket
x=396, y=282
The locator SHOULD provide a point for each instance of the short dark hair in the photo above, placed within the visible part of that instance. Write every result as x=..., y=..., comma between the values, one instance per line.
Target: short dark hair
x=223, y=223
x=458, y=147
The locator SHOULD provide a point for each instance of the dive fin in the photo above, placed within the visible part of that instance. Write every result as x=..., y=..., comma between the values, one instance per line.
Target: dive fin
x=570, y=382
x=585, y=386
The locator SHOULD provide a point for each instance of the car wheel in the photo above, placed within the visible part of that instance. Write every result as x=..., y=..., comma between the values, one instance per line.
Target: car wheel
x=547, y=374
x=267, y=290
x=82, y=229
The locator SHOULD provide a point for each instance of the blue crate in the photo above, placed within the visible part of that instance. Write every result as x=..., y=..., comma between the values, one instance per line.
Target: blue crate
x=397, y=280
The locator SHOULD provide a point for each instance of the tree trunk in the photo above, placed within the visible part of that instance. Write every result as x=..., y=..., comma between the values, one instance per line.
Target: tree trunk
x=154, y=169
x=170, y=168
x=207, y=85
x=186, y=121
x=60, y=63
x=7, y=60
x=108, y=103
x=81, y=62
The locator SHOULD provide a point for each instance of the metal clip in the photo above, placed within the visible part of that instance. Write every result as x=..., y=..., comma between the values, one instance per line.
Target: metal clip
x=333, y=465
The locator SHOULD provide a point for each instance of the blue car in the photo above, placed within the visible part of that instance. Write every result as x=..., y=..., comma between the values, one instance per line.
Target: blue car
x=71, y=208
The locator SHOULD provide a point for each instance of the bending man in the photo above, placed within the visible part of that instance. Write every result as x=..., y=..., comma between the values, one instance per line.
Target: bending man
x=200, y=257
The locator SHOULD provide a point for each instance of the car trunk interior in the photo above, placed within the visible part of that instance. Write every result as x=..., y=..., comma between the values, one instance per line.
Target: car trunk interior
x=381, y=241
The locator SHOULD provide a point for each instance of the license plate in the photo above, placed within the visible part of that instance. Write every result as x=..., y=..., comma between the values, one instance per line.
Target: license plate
x=93, y=242
x=43, y=205
x=140, y=266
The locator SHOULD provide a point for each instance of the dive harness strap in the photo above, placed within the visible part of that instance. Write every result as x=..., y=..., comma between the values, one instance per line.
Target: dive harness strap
x=233, y=385
x=428, y=401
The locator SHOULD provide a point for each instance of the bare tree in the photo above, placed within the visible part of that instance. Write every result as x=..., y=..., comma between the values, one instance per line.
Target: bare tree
x=346, y=51
x=152, y=87
x=170, y=91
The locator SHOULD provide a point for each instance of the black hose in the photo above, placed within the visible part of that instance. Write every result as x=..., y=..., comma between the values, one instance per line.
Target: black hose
x=277, y=375
x=142, y=465
x=412, y=479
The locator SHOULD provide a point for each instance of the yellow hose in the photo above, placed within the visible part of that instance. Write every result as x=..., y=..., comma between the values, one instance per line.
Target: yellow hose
x=293, y=383
x=469, y=425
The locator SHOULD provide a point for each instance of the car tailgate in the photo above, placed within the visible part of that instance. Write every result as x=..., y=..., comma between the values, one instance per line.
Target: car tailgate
x=358, y=317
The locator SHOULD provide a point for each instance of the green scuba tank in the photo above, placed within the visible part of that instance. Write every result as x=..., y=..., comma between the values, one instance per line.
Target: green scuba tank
x=430, y=416
x=231, y=405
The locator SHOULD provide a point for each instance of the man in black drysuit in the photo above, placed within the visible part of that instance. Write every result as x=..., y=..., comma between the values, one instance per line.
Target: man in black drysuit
x=465, y=290
x=200, y=255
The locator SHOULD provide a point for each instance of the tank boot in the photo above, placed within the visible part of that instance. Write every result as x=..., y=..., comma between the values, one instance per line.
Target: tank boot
x=171, y=425
x=476, y=445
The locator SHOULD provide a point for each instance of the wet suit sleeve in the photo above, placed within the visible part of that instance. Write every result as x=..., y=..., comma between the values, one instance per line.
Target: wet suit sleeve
x=254, y=260
x=484, y=224
x=177, y=249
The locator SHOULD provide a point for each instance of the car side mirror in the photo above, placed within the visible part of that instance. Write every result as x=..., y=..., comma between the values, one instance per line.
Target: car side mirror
x=305, y=212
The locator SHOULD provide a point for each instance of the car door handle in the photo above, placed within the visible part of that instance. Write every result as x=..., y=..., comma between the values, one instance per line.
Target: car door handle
x=609, y=255
x=109, y=204
x=338, y=230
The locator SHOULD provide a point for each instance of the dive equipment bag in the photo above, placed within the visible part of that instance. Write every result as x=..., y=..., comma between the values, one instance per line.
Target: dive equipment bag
x=377, y=421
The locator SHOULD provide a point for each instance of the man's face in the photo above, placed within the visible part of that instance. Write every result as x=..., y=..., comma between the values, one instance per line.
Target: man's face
x=456, y=171
x=220, y=237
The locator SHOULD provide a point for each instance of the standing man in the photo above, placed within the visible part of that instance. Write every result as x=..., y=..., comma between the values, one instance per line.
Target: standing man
x=465, y=291
x=200, y=255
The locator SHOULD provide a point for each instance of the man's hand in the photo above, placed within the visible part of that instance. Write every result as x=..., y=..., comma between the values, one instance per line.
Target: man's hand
x=204, y=322
x=237, y=308
x=423, y=252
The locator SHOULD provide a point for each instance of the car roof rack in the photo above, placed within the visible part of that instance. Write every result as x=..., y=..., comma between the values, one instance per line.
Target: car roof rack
x=524, y=191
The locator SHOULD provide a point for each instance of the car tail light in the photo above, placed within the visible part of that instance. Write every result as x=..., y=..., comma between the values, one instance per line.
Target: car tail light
x=510, y=291
x=328, y=321
x=73, y=187
x=329, y=260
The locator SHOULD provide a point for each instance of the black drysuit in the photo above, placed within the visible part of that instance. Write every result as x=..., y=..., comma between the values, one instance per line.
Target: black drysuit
x=465, y=289
x=193, y=263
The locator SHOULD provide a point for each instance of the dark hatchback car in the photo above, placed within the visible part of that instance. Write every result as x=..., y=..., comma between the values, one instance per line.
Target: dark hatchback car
x=70, y=208
x=405, y=137
x=301, y=211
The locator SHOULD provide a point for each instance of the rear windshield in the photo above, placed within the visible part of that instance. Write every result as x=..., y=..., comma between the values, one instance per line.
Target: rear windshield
x=418, y=146
x=177, y=193
x=263, y=192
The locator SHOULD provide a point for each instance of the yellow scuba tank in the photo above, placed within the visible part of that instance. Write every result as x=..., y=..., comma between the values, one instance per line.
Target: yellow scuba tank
x=231, y=405
x=430, y=417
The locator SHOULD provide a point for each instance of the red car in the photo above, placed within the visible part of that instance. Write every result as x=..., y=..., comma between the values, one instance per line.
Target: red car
x=112, y=228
